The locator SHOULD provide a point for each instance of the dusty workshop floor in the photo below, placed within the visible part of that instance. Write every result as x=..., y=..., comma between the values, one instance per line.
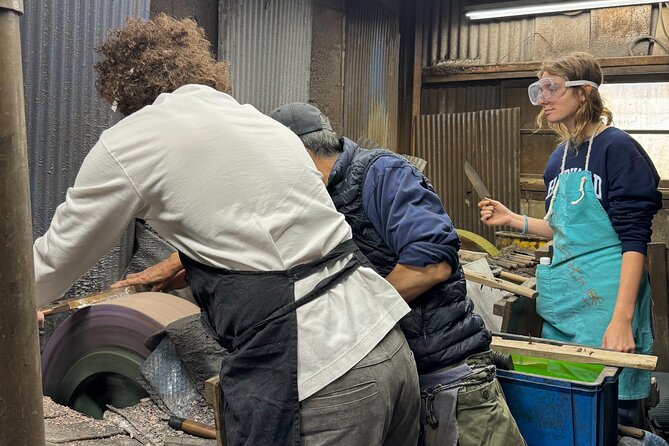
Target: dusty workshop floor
x=141, y=425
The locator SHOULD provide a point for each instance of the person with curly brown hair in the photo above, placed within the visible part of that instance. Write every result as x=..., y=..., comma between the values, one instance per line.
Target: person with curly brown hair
x=315, y=356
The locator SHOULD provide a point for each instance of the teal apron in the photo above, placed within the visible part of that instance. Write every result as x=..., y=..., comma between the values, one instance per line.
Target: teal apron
x=578, y=290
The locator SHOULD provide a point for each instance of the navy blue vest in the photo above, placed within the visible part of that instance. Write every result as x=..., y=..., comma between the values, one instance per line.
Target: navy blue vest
x=441, y=329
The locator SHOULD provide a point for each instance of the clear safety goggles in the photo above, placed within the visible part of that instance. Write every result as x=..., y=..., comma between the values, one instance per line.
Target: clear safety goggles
x=551, y=89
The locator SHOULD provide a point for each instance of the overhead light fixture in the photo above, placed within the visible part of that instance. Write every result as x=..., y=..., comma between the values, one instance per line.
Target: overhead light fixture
x=506, y=10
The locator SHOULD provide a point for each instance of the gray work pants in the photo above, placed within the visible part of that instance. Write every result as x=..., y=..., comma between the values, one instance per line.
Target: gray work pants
x=376, y=403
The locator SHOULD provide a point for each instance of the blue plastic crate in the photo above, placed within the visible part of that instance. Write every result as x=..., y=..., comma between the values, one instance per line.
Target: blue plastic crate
x=556, y=412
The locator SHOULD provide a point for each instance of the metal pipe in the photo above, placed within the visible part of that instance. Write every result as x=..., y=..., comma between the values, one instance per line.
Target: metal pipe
x=21, y=411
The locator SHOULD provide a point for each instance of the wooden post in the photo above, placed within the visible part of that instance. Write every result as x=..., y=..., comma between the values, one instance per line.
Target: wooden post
x=411, y=30
x=212, y=393
x=657, y=269
x=21, y=411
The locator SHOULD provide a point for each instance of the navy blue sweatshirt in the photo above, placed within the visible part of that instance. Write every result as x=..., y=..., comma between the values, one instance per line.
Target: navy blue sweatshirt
x=625, y=181
x=410, y=219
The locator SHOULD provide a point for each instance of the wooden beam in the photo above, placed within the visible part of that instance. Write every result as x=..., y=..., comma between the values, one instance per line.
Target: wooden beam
x=657, y=269
x=212, y=394
x=500, y=284
x=573, y=353
x=417, y=80
x=417, y=60
x=612, y=66
x=516, y=278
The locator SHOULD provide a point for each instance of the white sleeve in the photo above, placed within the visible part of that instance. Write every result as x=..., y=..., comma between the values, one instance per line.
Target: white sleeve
x=96, y=211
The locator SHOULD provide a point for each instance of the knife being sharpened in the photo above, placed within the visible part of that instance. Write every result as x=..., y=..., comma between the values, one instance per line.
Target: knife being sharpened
x=476, y=181
x=91, y=299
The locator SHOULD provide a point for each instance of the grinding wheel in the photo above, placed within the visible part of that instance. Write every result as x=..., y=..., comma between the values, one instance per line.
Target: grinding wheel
x=93, y=357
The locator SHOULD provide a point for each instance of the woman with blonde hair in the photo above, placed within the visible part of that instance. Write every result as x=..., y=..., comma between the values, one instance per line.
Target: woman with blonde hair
x=600, y=201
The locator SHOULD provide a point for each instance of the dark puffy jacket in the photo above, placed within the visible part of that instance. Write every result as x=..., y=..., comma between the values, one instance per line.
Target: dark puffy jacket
x=441, y=328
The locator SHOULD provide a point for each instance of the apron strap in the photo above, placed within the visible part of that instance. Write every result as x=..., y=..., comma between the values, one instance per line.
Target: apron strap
x=340, y=252
x=562, y=166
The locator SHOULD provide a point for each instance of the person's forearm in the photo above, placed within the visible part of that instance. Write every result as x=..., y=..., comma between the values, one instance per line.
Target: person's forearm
x=166, y=275
x=412, y=281
x=631, y=272
x=537, y=226
x=619, y=335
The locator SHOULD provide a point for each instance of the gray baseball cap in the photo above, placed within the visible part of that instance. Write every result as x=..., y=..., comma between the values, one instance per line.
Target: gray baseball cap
x=301, y=118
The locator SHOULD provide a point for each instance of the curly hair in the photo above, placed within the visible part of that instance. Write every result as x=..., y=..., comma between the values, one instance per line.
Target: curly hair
x=578, y=66
x=147, y=58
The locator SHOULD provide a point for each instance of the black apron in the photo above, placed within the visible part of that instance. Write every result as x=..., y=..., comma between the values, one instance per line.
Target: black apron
x=252, y=315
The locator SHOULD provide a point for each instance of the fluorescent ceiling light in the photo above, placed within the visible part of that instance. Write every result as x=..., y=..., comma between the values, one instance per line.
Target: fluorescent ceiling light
x=547, y=8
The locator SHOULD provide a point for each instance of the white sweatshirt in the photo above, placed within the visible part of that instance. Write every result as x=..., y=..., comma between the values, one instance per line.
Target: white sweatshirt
x=230, y=188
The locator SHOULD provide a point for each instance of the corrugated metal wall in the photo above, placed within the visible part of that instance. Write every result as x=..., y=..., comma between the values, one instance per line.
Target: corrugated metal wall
x=450, y=36
x=268, y=45
x=490, y=141
x=64, y=114
x=450, y=98
x=371, y=82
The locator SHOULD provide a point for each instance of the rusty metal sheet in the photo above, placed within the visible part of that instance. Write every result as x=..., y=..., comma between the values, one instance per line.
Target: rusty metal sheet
x=64, y=114
x=614, y=29
x=204, y=12
x=370, y=72
x=561, y=34
x=460, y=98
x=326, y=86
x=536, y=148
x=449, y=36
x=268, y=45
x=490, y=141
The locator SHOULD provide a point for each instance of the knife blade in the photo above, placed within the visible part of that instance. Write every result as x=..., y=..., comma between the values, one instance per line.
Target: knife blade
x=91, y=299
x=477, y=183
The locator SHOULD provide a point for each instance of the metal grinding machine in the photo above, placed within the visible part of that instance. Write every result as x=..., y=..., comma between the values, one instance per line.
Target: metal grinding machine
x=93, y=357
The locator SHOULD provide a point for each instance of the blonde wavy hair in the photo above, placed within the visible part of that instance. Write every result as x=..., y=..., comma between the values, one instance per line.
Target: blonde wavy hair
x=147, y=58
x=578, y=66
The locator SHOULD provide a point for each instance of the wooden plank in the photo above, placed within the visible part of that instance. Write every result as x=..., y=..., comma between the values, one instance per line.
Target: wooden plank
x=212, y=394
x=500, y=284
x=471, y=256
x=502, y=308
x=519, y=314
x=523, y=255
x=657, y=269
x=505, y=263
x=516, y=278
x=610, y=65
x=417, y=61
x=574, y=353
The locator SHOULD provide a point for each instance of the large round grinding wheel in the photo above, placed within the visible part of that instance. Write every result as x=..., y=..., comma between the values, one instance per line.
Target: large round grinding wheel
x=93, y=357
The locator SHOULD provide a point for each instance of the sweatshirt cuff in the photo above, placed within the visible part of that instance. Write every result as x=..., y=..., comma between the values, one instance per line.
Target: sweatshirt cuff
x=427, y=253
x=634, y=246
